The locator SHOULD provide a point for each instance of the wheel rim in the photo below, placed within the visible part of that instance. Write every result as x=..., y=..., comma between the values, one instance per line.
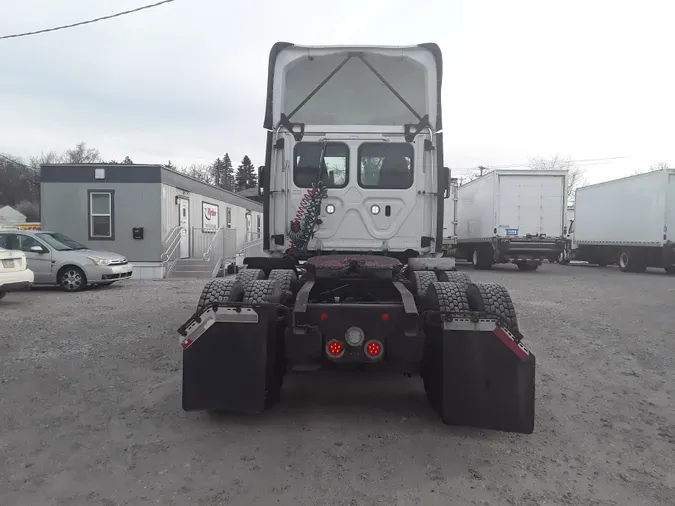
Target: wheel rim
x=474, y=259
x=71, y=280
x=623, y=260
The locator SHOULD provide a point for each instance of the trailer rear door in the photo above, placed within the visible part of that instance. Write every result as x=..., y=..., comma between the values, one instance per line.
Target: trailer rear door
x=531, y=203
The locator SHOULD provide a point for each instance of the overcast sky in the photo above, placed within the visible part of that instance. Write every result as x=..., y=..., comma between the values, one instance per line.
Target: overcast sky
x=186, y=81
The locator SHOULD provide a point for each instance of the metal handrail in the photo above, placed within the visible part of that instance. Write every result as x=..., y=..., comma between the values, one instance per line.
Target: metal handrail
x=207, y=254
x=216, y=267
x=174, y=242
x=171, y=249
x=250, y=244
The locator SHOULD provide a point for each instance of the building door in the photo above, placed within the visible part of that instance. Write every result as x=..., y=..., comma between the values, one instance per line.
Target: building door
x=184, y=221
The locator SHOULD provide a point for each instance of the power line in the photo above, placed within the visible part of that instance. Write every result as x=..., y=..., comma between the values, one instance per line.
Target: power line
x=584, y=161
x=25, y=34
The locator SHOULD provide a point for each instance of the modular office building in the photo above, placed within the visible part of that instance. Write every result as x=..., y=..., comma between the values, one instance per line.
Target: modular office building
x=139, y=210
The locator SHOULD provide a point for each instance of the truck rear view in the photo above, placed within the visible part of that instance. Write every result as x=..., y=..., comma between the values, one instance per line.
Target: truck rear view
x=512, y=216
x=352, y=276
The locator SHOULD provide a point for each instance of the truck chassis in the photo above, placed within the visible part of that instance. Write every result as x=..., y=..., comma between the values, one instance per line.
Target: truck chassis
x=527, y=253
x=359, y=312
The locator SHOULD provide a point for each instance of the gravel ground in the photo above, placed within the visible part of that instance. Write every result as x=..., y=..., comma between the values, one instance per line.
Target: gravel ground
x=90, y=409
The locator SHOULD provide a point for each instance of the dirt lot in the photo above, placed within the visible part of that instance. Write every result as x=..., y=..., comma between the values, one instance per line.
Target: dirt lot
x=90, y=409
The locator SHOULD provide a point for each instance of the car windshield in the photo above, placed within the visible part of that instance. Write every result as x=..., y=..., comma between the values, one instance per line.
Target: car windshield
x=60, y=242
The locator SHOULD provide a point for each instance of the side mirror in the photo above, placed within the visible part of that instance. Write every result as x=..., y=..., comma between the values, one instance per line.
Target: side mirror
x=448, y=183
x=37, y=249
x=261, y=176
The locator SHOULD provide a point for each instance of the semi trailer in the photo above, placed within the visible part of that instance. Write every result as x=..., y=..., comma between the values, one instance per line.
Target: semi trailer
x=512, y=216
x=628, y=221
x=353, y=276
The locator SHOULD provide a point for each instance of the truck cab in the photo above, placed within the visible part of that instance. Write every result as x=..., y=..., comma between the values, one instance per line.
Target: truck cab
x=350, y=172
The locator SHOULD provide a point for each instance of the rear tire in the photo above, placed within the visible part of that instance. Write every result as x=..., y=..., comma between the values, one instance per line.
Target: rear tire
x=461, y=278
x=631, y=261
x=260, y=291
x=448, y=298
x=527, y=267
x=493, y=299
x=222, y=291
x=245, y=276
x=421, y=281
x=482, y=258
x=286, y=278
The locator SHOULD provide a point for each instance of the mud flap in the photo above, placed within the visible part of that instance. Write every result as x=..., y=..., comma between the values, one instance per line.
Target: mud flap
x=487, y=377
x=226, y=358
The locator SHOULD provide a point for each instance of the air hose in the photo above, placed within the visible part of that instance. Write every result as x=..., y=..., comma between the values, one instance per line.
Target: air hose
x=302, y=227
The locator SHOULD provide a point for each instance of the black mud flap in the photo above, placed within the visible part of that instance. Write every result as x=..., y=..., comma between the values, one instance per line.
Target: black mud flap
x=487, y=377
x=226, y=358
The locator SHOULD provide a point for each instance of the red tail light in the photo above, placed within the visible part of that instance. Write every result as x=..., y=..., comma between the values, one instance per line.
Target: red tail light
x=335, y=348
x=373, y=349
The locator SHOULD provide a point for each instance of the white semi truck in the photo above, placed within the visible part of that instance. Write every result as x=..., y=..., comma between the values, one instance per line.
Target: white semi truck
x=352, y=275
x=512, y=216
x=628, y=221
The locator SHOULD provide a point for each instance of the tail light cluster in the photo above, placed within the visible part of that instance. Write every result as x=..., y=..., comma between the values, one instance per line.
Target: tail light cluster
x=354, y=338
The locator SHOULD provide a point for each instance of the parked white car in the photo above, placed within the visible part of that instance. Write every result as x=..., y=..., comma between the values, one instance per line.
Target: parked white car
x=14, y=274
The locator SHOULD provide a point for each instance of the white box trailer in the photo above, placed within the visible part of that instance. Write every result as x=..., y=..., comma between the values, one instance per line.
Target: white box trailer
x=628, y=221
x=512, y=216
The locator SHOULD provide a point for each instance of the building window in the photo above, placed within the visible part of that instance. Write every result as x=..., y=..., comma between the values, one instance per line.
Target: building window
x=258, y=223
x=101, y=207
x=228, y=217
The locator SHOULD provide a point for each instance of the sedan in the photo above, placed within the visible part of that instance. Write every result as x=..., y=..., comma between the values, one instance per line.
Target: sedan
x=56, y=259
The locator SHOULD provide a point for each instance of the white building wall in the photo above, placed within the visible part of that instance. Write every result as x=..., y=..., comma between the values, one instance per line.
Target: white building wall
x=243, y=229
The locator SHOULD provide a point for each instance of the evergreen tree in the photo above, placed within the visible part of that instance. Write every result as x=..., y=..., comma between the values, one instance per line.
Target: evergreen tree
x=228, y=173
x=216, y=173
x=127, y=161
x=246, y=176
x=170, y=165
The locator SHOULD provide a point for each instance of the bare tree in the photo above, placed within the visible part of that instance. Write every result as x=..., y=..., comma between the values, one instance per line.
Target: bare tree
x=45, y=158
x=575, y=174
x=82, y=154
x=658, y=166
x=200, y=172
x=652, y=168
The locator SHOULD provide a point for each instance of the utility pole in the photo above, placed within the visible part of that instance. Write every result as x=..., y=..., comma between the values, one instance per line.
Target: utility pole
x=481, y=168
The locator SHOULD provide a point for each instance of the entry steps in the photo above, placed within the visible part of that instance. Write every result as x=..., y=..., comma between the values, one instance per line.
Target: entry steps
x=192, y=268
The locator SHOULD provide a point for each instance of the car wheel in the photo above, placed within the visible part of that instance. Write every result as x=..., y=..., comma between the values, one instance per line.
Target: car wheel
x=72, y=279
